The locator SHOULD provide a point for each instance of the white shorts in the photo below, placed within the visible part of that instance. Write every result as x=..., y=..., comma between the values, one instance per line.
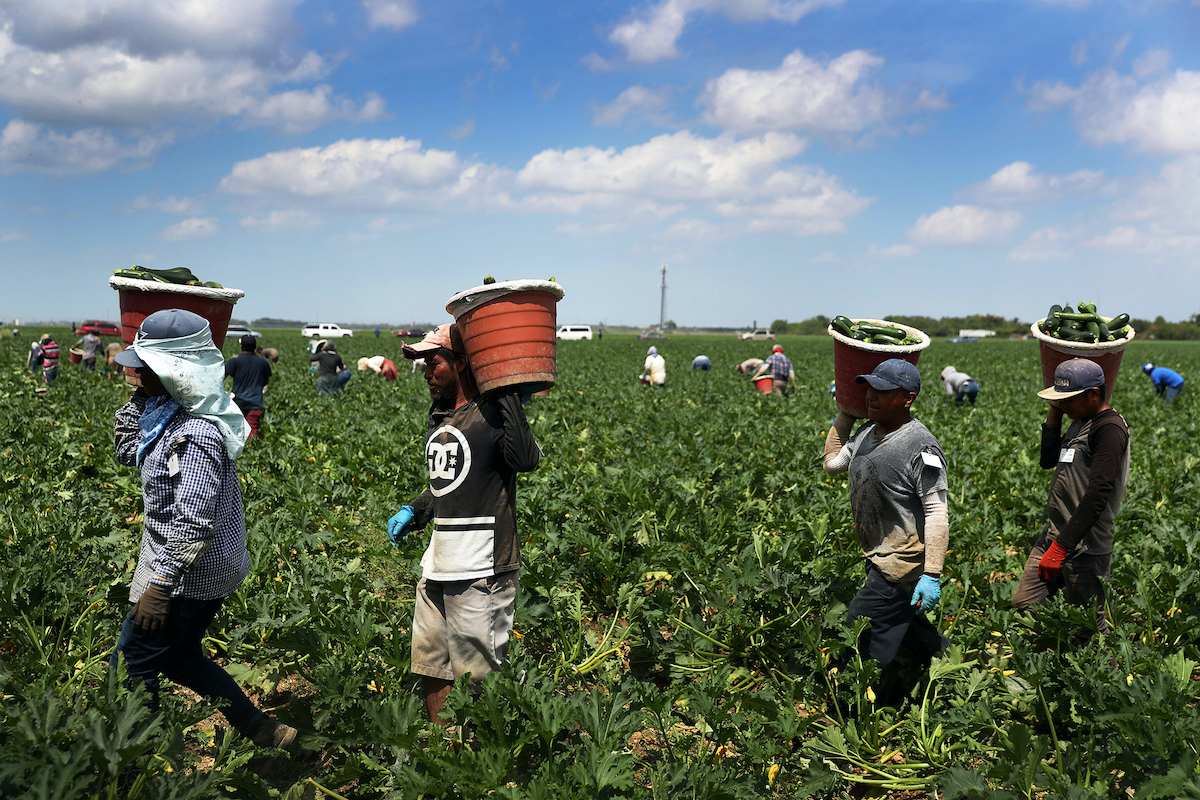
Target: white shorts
x=463, y=626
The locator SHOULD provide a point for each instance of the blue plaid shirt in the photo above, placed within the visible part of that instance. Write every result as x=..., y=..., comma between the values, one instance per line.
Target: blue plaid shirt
x=780, y=366
x=194, y=531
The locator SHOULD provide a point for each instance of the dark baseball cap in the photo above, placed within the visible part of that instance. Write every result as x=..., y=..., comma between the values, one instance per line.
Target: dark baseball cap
x=170, y=323
x=248, y=342
x=895, y=373
x=1073, y=377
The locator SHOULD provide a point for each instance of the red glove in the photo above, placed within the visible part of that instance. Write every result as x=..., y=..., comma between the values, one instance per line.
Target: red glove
x=1050, y=567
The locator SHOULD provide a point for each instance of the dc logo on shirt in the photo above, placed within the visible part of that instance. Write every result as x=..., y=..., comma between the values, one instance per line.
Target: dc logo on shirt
x=449, y=458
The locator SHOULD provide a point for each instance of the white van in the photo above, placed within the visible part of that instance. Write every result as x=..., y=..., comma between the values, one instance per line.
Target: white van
x=324, y=330
x=574, y=332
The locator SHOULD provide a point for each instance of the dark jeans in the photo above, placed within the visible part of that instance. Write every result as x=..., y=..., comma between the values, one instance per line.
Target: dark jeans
x=1080, y=580
x=90, y=363
x=178, y=654
x=969, y=390
x=895, y=623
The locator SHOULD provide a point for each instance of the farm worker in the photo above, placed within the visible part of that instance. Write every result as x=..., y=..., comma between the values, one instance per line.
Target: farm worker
x=89, y=343
x=49, y=358
x=110, y=355
x=959, y=385
x=1091, y=470
x=269, y=353
x=655, y=368
x=328, y=364
x=184, y=433
x=251, y=373
x=1167, y=382
x=783, y=377
x=35, y=358
x=898, y=499
x=380, y=365
x=702, y=363
x=467, y=592
x=749, y=366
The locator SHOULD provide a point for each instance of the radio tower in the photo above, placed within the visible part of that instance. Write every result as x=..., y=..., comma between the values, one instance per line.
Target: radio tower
x=662, y=310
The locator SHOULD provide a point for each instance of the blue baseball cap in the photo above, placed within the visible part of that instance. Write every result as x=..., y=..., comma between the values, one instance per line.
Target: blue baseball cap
x=170, y=323
x=895, y=373
x=1073, y=377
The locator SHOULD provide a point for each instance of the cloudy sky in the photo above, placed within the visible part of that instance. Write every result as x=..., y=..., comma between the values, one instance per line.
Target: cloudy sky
x=362, y=161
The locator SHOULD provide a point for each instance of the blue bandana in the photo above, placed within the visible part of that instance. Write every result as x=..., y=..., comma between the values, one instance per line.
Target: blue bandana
x=159, y=412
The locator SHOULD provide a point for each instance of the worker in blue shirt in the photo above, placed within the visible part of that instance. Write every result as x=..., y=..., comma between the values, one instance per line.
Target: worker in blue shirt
x=1167, y=382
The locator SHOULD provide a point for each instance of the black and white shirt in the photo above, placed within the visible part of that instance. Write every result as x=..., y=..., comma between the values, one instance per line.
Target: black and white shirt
x=474, y=453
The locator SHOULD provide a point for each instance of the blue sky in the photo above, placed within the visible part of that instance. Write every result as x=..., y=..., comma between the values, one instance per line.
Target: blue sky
x=363, y=161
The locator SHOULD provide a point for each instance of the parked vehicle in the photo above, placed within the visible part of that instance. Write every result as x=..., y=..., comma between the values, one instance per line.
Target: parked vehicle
x=410, y=333
x=758, y=334
x=574, y=332
x=99, y=328
x=238, y=331
x=325, y=330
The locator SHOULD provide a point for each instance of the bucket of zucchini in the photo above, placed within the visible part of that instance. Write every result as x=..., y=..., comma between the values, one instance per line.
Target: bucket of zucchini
x=1081, y=332
x=860, y=345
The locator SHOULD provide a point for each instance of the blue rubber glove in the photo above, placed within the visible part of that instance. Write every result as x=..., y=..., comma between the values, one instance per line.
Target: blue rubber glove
x=928, y=593
x=399, y=524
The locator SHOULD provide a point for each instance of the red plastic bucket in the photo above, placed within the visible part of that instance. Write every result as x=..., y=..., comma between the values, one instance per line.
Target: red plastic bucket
x=852, y=358
x=765, y=384
x=1107, y=354
x=508, y=331
x=75, y=355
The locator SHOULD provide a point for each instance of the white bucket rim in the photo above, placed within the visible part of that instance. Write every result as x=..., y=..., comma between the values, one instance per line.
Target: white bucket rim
x=472, y=298
x=230, y=296
x=883, y=348
x=1082, y=348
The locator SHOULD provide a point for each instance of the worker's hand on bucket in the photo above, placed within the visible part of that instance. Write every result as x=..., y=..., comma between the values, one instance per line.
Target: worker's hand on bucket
x=928, y=593
x=398, y=525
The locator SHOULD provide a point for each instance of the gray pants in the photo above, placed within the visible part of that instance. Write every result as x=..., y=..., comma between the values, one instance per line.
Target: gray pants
x=1080, y=582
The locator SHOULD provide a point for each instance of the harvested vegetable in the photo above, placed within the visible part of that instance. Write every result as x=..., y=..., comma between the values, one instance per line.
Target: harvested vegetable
x=1084, y=325
x=872, y=332
x=178, y=275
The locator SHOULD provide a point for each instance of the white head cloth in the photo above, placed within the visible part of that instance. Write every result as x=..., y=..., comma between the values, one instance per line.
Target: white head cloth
x=192, y=370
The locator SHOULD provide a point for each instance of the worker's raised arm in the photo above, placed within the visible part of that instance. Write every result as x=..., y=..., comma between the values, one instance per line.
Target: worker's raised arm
x=837, y=454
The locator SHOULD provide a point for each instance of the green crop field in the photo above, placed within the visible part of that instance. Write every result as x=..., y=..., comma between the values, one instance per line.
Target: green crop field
x=687, y=564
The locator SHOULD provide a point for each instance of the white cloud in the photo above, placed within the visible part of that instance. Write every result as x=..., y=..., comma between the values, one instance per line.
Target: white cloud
x=463, y=131
x=151, y=27
x=394, y=14
x=26, y=147
x=826, y=258
x=104, y=68
x=652, y=34
x=1018, y=183
x=191, y=228
x=168, y=205
x=1153, y=110
x=1047, y=244
x=893, y=251
x=283, y=220
x=375, y=173
x=13, y=235
x=963, y=224
x=635, y=103
x=830, y=99
x=751, y=183
x=744, y=180
x=1161, y=216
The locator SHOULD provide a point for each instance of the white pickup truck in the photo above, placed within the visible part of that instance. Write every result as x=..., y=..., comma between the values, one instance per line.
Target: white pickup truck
x=325, y=330
x=758, y=334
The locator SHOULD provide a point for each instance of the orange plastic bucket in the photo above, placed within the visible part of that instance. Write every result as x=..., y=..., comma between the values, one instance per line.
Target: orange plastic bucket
x=75, y=355
x=508, y=330
x=765, y=384
x=852, y=358
x=1107, y=354
x=139, y=299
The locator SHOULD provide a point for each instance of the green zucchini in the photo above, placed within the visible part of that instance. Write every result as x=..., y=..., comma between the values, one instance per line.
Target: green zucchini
x=1119, y=321
x=882, y=330
x=883, y=338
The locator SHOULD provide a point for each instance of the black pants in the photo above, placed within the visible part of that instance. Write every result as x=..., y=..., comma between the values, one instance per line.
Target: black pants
x=895, y=623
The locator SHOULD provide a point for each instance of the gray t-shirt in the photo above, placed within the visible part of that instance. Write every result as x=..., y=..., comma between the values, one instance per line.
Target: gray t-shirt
x=889, y=476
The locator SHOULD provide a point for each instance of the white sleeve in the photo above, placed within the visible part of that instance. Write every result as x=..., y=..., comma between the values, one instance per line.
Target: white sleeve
x=937, y=530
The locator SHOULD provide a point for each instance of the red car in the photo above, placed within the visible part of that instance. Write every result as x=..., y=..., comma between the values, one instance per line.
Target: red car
x=99, y=327
x=410, y=332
